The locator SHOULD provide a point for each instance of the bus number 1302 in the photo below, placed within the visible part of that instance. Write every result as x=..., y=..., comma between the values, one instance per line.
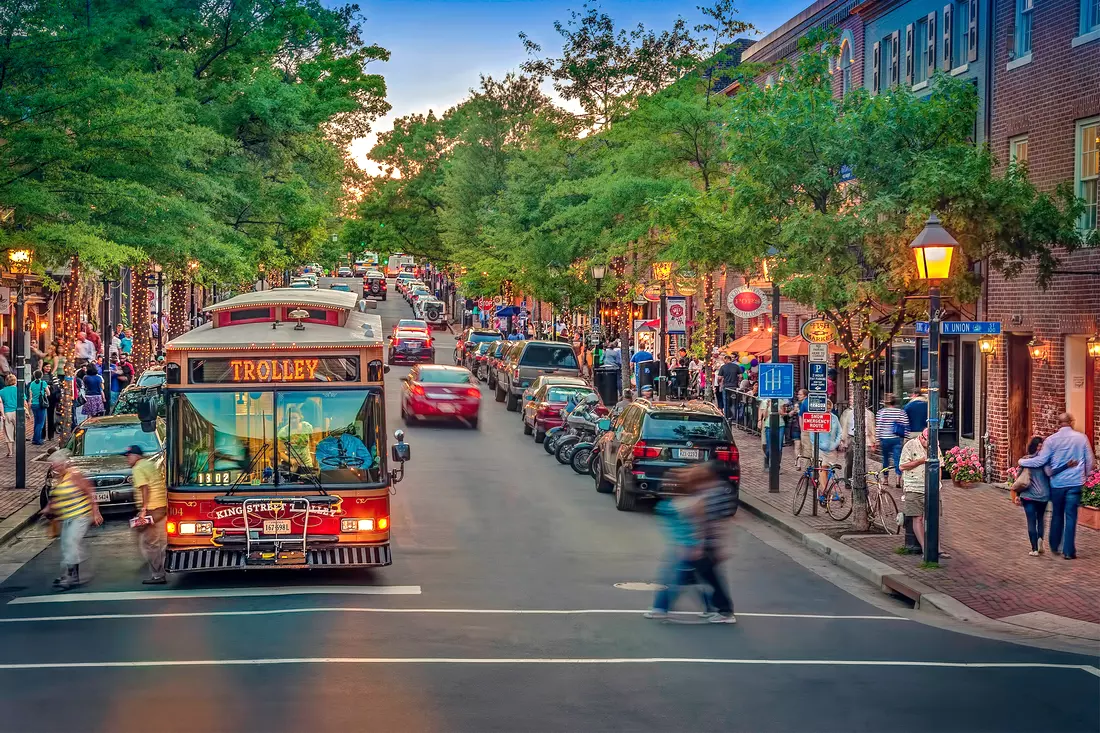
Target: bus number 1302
x=214, y=479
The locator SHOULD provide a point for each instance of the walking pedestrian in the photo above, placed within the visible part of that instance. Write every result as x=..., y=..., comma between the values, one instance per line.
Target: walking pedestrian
x=1032, y=489
x=727, y=378
x=805, y=446
x=1065, y=447
x=8, y=399
x=50, y=375
x=93, y=392
x=72, y=504
x=916, y=410
x=891, y=428
x=764, y=417
x=152, y=499
x=913, y=458
x=38, y=396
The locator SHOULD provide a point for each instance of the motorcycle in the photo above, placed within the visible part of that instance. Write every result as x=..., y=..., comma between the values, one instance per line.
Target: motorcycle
x=581, y=426
x=583, y=460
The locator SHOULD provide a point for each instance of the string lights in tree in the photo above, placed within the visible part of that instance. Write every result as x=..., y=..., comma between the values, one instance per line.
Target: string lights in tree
x=177, y=308
x=70, y=321
x=140, y=277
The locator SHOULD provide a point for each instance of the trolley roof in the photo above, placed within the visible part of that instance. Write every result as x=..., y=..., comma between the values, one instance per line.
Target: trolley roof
x=357, y=329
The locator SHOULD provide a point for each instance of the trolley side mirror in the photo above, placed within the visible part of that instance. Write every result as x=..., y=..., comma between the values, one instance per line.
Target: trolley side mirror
x=147, y=413
x=400, y=451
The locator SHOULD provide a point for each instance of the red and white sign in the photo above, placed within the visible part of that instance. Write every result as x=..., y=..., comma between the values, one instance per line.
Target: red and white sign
x=747, y=302
x=817, y=422
x=485, y=303
x=652, y=293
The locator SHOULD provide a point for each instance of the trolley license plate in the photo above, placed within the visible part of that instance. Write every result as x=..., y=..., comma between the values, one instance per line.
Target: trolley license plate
x=276, y=526
x=688, y=454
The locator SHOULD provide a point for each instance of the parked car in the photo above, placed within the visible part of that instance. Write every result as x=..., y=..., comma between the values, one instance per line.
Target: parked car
x=97, y=446
x=650, y=439
x=301, y=283
x=434, y=392
x=374, y=285
x=402, y=279
x=472, y=336
x=477, y=359
x=433, y=311
x=496, y=356
x=530, y=360
x=128, y=399
x=152, y=377
x=411, y=347
x=544, y=400
x=341, y=287
x=344, y=272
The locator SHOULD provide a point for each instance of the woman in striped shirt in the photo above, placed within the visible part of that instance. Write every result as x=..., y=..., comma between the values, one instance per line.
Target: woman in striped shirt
x=73, y=504
x=891, y=428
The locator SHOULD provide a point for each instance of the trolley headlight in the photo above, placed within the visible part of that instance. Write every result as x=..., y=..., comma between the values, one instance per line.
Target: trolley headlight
x=356, y=525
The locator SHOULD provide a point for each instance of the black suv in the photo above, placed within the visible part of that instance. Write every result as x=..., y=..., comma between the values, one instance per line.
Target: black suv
x=649, y=439
x=374, y=285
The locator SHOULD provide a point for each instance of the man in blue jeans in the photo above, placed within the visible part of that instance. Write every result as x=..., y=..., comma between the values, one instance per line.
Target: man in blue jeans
x=891, y=428
x=1066, y=447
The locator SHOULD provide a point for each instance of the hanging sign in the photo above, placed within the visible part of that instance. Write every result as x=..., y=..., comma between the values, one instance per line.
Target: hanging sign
x=676, y=319
x=652, y=293
x=5, y=301
x=686, y=287
x=819, y=331
x=747, y=302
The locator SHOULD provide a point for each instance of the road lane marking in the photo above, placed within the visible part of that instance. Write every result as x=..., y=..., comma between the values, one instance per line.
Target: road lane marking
x=139, y=664
x=491, y=611
x=137, y=595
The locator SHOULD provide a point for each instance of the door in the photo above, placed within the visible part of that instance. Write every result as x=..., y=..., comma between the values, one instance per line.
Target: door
x=1019, y=395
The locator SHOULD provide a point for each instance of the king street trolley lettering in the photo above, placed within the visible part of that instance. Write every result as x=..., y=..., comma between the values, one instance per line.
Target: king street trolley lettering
x=275, y=507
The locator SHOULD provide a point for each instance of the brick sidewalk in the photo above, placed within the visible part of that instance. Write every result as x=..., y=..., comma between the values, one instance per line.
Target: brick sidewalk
x=12, y=499
x=989, y=569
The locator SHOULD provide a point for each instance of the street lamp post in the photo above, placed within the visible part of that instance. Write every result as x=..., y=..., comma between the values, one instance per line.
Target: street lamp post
x=160, y=309
x=598, y=272
x=19, y=263
x=933, y=249
x=986, y=345
x=108, y=339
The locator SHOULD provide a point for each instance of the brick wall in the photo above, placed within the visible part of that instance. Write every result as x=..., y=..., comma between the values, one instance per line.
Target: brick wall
x=1043, y=99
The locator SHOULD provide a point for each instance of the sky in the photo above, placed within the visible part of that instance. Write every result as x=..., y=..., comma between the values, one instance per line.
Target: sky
x=439, y=48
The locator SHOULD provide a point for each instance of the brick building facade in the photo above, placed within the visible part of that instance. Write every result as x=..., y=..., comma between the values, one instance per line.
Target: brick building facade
x=1046, y=111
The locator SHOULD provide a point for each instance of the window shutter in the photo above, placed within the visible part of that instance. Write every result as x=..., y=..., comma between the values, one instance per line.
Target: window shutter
x=876, y=71
x=909, y=55
x=895, y=57
x=948, y=20
x=972, y=33
x=930, y=57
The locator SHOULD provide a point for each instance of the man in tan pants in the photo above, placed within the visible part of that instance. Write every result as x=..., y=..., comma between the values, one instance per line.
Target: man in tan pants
x=152, y=497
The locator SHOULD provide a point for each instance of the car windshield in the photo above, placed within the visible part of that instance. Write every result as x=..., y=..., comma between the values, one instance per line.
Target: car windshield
x=483, y=348
x=151, y=379
x=409, y=323
x=684, y=426
x=443, y=376
x=549, y=355
x=311, y=437
x=111, y=440
x=562, y=394
x=477, y=337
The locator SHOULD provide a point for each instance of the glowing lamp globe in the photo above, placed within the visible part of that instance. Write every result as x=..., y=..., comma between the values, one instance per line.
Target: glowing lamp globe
x=932, y=250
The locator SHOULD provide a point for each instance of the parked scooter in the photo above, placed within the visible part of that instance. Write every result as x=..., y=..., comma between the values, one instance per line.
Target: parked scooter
x=581, y=426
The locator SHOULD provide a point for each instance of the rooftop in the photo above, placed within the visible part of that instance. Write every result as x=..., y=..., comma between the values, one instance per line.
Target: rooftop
x=360, y=329
x=308, y=298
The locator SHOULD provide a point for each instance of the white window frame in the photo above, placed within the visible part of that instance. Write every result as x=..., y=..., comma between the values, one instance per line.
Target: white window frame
x=847, y=56
x=920, y=52
x=1014, y=145
x=1090, y=17
x=1087, y=222
x=1025, y=12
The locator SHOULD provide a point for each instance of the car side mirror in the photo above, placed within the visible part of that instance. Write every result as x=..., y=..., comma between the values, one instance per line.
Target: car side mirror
x=604, y=424
x=400, y=450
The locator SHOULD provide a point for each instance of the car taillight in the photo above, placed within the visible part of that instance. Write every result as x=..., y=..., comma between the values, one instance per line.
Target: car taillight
x=473, y=392
x=418, y=390
x=515, y=373
x=641, y=450
x=727, y=453
x=429, y=344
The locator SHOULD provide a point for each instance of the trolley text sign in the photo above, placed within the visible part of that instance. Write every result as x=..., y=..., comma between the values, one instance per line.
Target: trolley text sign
x=264, y=370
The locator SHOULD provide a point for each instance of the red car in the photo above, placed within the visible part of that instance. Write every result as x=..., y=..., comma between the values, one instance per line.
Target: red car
x=543, y=410
x=438, y=392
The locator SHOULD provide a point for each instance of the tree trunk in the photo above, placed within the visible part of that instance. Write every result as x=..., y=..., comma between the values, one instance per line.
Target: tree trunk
x=140, y=318
x=859, y=446
x=68, y=348
x=177, y=309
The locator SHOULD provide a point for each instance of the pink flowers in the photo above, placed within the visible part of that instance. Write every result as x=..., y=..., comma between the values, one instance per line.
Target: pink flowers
x=963, y=464
x=1091, y=494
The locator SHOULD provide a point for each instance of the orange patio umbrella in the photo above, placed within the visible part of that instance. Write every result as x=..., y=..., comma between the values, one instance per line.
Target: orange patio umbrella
x=750, y=343
x=794, y=346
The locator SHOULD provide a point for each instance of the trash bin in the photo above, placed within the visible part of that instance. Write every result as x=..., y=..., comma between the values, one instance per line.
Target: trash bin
x=606, y=380
x=647, y=374
x=678, y=381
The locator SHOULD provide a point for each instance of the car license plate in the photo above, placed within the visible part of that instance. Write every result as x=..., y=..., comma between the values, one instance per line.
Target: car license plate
x=446, y=408
x=276, y=526
x=102, y=496
x=688, y=454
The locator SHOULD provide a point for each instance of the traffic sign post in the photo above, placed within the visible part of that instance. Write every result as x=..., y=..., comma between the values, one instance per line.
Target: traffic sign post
x=817, y=403
x=817, y=422
x=819, y=352
x=961, y=328
x=776, y=381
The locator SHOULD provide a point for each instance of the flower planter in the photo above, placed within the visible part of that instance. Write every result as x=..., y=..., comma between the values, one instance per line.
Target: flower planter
x=964, y=484
x=1088, y=516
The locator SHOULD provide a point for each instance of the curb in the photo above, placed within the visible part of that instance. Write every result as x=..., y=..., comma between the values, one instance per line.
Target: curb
x=17, y=522
x=886, y=578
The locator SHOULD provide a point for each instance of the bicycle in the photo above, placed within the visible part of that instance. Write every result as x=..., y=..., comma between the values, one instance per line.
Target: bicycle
x=836, y=499
x=881, y=506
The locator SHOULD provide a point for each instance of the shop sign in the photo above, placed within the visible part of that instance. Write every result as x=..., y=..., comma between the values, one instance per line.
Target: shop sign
x=652, y=293
x=819, y=331
x=5, y=301
x=747, y=302
x=686, y=287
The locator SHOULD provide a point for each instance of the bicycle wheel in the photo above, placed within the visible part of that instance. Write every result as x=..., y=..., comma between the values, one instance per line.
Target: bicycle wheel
x=839, y=499
x=888, y=513
x=800, y=491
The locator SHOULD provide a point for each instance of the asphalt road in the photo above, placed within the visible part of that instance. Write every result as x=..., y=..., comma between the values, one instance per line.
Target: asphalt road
x=500, y=612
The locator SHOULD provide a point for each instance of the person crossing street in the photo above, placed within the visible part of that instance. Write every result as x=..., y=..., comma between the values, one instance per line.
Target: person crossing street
x=152, y=499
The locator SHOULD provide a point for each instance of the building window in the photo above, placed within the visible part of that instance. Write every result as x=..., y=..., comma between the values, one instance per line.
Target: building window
x=1017, y=150
x=959, y=34
x=1090, y=16
x=886, y=78
x=1023, y=27
x=1088, y=169
x=846, y=68
x=920, y=53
